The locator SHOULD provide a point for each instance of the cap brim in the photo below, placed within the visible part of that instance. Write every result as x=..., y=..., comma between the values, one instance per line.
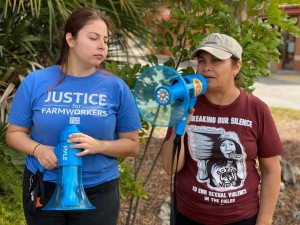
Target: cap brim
x=220, y=54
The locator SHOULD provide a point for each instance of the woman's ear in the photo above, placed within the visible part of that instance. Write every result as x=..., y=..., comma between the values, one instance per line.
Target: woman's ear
x=237, y=67
x=70, y=40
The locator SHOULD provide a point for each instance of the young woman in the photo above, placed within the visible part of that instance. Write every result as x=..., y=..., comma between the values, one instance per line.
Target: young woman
x=76, y=91
x=215, y=188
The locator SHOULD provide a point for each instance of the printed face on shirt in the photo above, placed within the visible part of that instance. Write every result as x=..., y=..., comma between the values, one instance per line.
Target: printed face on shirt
x=218, y=73
x=227, y=147
x=90, y=46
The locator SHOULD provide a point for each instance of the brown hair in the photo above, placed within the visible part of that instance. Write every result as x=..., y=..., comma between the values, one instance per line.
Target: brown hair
x=76, y=21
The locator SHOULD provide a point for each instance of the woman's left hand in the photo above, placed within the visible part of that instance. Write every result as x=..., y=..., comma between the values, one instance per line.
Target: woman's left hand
x=126, y=144
x=88, y=144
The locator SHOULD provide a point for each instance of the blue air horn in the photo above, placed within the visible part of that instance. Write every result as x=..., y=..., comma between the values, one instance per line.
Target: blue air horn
x=164, y=97
x=69, y=193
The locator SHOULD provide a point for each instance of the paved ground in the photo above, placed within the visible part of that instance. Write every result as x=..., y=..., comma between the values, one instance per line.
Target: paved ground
x=280, y=90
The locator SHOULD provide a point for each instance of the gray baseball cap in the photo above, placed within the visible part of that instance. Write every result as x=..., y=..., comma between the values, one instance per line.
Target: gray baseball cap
x=221, y=46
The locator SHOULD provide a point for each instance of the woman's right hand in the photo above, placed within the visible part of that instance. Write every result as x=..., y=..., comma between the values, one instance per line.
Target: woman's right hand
x=46, y=156
x=18, y=138
x=191, y=113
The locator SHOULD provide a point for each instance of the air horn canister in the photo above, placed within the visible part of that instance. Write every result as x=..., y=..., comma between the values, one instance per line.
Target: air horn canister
x=69, y=193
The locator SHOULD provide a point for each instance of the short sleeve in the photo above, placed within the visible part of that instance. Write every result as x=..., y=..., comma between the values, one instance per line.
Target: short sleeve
x=269, y=143
x=128, y=117
x=21, y=111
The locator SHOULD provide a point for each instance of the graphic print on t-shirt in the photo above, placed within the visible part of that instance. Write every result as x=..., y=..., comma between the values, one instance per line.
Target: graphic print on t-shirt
x=220, y=157
x=75, y=104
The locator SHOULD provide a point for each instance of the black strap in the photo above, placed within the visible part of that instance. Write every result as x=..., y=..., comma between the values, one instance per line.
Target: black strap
x=36, y=188
x=176, y=151
x=41, y=187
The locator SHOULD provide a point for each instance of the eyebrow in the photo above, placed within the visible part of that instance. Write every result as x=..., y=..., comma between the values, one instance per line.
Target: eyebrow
x=106, y=36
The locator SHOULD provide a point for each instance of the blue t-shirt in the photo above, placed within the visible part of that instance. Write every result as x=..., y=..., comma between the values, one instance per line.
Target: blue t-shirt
x=100, y=105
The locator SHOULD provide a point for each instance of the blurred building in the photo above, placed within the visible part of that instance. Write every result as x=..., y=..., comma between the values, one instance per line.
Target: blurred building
x=290, y=50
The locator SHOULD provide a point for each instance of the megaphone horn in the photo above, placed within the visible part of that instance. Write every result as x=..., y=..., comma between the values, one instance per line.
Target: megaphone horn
x=69, y=193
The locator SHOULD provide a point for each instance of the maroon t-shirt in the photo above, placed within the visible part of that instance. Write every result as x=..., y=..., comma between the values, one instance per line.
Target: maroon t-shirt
x=219, y=182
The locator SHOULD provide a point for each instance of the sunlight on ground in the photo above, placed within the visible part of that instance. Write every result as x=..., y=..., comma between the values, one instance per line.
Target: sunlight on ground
x=288, y=77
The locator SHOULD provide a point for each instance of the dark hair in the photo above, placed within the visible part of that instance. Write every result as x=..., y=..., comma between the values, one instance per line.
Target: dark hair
x=76, y=21
x=238, y=147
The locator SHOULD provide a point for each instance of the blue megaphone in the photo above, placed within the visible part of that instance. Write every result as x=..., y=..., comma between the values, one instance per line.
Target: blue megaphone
x=69, y=193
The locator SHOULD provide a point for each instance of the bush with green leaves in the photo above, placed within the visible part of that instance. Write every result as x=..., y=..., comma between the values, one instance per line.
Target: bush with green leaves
x=11, y=210
x=255, y=24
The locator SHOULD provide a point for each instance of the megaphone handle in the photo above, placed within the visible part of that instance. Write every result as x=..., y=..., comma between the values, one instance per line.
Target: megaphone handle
x=180, y=126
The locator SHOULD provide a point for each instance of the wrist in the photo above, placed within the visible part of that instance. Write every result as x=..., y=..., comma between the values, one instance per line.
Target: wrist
x=35, y=149
x=260, y=221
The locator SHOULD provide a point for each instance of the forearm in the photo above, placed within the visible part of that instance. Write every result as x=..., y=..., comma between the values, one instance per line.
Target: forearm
x=20, y=141
x=122, y=147
x=270, y=188
x=167, y=155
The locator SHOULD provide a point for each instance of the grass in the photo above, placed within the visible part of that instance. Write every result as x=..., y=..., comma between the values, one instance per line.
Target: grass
x=288, y=77
x=284, y=114
x=11, y=212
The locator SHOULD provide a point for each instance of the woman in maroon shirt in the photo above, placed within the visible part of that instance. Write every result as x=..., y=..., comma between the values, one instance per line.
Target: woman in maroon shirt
x=217, y=181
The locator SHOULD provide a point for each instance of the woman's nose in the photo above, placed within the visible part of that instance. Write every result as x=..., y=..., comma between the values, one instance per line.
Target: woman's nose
x=101, y=44
x=204, y=67
x=207, y=66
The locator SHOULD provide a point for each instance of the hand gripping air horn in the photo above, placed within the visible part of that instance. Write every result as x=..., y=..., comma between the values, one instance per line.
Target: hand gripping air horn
x=69, y=193
x=164, y=97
